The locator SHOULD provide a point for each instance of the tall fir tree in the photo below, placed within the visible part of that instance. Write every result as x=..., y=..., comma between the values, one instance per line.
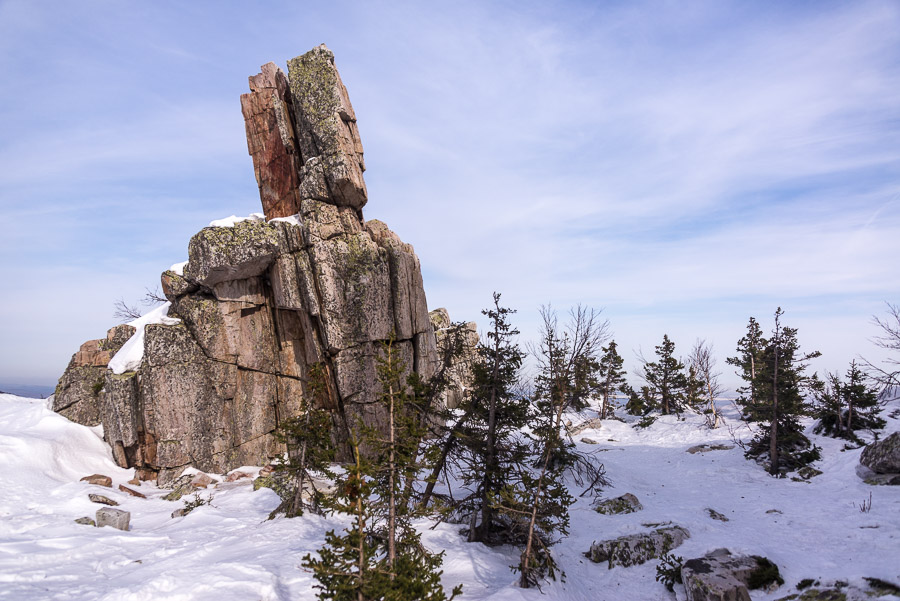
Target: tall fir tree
x=775, y=397
x=381, y=555
x=749, y=359
x=492, y=452
x=611, y=376
x=666, y=380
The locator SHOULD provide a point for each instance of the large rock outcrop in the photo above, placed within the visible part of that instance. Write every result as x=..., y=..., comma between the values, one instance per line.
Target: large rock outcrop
x=263, y=300
x=883, y=456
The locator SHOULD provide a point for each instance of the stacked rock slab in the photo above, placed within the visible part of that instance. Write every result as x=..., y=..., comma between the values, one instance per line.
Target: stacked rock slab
x=264, y=300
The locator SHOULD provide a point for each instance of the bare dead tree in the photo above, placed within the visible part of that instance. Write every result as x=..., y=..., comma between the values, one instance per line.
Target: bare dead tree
x=887, y=375
x=703, y=362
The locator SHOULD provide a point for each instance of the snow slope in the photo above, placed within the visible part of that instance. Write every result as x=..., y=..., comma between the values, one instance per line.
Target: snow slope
x=229, y=551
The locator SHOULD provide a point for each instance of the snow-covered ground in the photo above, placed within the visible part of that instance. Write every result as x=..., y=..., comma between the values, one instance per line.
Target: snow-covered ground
x=229, y=551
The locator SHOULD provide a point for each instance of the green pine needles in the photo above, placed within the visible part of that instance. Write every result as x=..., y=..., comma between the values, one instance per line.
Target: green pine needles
x=309, y=448
x=380, y=555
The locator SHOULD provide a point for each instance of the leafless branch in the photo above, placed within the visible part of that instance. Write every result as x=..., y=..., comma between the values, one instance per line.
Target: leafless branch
x=125, y=313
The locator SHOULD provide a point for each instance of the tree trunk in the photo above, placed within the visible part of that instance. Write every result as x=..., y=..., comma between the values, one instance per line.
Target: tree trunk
x=392, y=504
x=486, y=483
x=773, y=431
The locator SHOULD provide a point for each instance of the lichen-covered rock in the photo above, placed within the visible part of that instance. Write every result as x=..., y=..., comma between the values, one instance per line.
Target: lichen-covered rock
x=102, y=499
x=627, y=503
x=883, y=456
x=706, y=448
x=77, y=395
x=260, y=302
x=718, y=576
x=864, y=590
x=636, y=549
x=326, y=125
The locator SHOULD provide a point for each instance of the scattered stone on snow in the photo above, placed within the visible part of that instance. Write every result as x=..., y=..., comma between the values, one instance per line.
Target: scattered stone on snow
x=133, y=493
x=117, y=518
x=883, y=479
x=98, y=479
x=635, y=549
x=135, y=481
x=873, y=588
x=587, y=440
x=102, y=500
x=201, y=480
x=883, y=456
x=234, y=476
x=773, y=511
x=805, y=473
x=879, y=463
x=705, y=448
x=716, y=515
x=86, y=521
x=721, y=576
x=591, y=424
x=179, y=513
x=627, y=503
x=180, y=487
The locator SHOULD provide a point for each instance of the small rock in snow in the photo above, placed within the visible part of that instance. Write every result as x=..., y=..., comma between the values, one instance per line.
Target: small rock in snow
x=716, y=515
x=202, y=480
x=98, y=479
x=236, y=476
x=86, y=521
x=109, y=516
x=102, y=500
x=133, y=493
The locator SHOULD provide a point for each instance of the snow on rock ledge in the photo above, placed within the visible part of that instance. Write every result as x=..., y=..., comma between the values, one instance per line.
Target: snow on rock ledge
x=131, y=354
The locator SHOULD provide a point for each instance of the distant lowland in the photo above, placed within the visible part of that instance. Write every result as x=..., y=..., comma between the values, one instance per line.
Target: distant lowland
x=32, y=391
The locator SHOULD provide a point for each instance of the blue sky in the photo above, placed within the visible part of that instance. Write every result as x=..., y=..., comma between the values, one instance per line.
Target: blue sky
x=682, y=165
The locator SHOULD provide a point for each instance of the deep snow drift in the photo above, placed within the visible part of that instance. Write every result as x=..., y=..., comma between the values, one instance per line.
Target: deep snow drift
x=229, y=551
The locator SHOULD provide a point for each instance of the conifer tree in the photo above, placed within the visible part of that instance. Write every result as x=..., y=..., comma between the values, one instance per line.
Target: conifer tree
x=543, y=500
x=750, y=350
x=493, y=451
x=309, y=447
x=666, y=380
x=848, y=405
x=611, y=375
x=693, y=389
x=775, y=398
x=380, y=556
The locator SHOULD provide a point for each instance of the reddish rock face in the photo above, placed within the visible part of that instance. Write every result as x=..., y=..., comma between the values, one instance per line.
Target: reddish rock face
x=271, y=141
x=303, y=137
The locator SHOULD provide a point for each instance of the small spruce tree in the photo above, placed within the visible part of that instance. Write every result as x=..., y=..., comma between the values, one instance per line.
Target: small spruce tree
x=848, y=405
x=611, y=376
x=666, y=380
x=381, y=555
x=310, y=451
x=775, y=397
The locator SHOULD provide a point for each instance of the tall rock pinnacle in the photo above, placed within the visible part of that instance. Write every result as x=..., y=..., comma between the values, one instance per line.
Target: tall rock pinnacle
x=261, y=303
x=302, y=135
